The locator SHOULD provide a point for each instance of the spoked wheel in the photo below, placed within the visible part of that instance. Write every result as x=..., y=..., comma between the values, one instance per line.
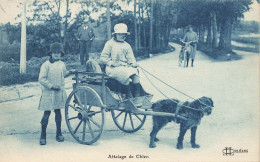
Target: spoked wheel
x=127, y=121
x=84, y=115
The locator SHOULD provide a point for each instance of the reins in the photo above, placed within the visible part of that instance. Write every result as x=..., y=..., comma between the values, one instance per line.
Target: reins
x=145, y=71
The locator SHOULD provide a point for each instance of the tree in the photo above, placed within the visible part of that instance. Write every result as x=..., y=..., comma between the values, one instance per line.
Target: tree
x=216, y=14
x=214, y=29
x=108, y=20
x=23, y=42
x=48, y=11
x=228, y=13
x=163, y=15
x=151, y=27
x=139, y=24
x=66, y=24
x=135, y=23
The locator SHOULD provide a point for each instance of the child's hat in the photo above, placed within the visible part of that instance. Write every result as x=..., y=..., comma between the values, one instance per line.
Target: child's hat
x=120, y=28
x=56, y=47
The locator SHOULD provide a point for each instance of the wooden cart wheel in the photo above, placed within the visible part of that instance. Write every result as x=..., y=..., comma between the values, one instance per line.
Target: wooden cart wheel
x=84, y=115
x=127, y=121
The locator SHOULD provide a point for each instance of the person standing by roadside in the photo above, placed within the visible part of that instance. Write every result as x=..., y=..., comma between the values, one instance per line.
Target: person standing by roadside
x=51, y=77
x=100, y=35
x=192, y=37
x=85, y=35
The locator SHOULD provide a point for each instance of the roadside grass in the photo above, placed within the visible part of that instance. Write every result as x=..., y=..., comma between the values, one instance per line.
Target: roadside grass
x=218, y=54
x=250, y=40
x=246, y=40
x=10, y=74
x=246, y=49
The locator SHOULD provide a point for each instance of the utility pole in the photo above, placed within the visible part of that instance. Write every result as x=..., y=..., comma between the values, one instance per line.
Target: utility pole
x=23, y=42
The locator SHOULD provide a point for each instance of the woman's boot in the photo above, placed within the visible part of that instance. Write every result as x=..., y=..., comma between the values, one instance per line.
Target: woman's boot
x=59, y=136
x=136, y=89
x=127, y=91
x=44, y=123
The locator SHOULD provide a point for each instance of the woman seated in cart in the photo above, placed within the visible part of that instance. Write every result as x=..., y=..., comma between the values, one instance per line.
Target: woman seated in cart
x=120, y=61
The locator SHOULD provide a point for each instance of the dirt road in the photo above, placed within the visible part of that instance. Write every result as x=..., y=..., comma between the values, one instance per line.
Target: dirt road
x=233, y=123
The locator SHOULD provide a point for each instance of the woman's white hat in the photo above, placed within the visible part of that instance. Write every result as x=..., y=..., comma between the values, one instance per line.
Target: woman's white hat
x=120, y=28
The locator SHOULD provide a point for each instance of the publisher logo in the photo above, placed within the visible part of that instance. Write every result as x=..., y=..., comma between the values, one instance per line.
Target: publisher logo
x=229, y=151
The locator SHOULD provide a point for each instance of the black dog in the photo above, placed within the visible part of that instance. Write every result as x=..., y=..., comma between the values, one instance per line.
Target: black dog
x=193, y=112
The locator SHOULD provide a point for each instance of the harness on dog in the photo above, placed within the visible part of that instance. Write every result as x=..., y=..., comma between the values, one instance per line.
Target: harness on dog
x=179, y=106
x=145, y=71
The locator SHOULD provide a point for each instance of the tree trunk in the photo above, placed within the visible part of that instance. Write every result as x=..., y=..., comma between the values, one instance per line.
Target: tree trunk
x=209, y=36
x=139, y=25
x=201, y=34
x=225, y=35
x=108, y=20
x=157, y=25
x=144, y=31
x=144, y=36
x=228, y=35
x=66, y=25
x=135, y=25
x=59, y=19
x=214, y=30
x=159, y=28
x=167, y=36
x=23, y=42
x=222, y=36
x=151, y=28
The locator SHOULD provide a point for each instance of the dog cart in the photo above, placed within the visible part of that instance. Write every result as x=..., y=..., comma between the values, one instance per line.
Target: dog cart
x=91, y=98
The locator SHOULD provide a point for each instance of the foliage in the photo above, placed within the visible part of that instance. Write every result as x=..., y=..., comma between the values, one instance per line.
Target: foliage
x=246, y=40
x=218, y=54
x=9, y=52
x=9, y=71
x=211, y=13
x=247, y=27
x=247, y=49
x=166, y=14
x=9, y=74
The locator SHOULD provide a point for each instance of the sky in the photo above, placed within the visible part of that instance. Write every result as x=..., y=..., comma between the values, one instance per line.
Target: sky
x=9, y=10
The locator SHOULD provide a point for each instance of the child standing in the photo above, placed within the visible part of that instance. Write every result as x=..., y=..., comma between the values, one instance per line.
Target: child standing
x=53, y=97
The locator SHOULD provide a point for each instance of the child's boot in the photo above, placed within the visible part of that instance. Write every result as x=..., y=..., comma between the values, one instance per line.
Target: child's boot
x=43, y=135
x=59, y=136
x=44, y=123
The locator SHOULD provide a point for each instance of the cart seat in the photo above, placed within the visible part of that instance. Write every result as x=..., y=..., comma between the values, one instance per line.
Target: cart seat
x=113, y=85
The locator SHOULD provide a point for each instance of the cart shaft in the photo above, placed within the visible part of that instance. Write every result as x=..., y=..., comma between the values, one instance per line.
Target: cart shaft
x=141, y=112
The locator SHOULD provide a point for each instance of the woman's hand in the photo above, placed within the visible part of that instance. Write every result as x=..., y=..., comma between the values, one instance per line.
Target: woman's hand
x=135, y=65
x=115, y=64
